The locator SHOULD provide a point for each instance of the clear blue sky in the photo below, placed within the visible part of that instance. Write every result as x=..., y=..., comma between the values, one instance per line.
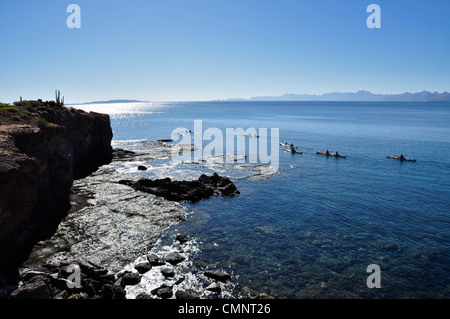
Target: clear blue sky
x=167, y=50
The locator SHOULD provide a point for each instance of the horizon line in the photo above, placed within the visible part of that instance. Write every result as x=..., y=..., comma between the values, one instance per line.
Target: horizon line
x=250, y=99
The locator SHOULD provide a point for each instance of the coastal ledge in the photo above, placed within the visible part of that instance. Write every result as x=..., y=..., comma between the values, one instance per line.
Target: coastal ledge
x=42, y=151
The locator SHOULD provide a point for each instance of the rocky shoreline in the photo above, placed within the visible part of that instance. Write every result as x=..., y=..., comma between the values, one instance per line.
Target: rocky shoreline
x=60, y=281
x=107, y=228
x=68, y=198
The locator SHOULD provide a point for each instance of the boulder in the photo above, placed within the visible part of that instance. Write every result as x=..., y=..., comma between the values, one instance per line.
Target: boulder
x=168, y=272
x=37, y=288
x=183, y=238
x=174, y=258
x=181, y=294
x=154, y=260
x=143, y=296
x=142, y=268
x=217, y=275
x=163, y=291
x=119, y=154
x=112, y=292
x=214, y=287
x=130, y=279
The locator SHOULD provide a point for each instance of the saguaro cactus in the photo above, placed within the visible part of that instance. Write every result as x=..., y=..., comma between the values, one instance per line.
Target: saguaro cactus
x=57, y=95
x=58, y=99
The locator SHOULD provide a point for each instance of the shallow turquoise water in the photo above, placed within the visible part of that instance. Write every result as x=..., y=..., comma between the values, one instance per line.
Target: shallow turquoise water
x=312, y=229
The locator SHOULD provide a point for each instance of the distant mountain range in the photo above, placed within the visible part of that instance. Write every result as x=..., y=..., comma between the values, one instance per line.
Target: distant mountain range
x=362, y=95
x=424, y=96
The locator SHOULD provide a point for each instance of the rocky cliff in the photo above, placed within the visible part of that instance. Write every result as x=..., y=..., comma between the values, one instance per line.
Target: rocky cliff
x=39, y=160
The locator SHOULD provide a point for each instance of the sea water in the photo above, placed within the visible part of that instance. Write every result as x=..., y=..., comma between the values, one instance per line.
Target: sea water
x=312, y=229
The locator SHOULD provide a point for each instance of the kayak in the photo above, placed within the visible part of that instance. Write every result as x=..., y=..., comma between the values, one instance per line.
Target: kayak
x=331, y=154
x=401, y=159
x=291, y=151
x=287, y=145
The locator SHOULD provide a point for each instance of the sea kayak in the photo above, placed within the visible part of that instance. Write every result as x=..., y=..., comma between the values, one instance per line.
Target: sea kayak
x=287, y=145
x=401, y=159
x=331, y=154
x=291, y=151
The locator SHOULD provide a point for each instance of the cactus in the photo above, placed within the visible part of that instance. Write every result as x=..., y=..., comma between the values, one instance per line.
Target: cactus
x=58, y=98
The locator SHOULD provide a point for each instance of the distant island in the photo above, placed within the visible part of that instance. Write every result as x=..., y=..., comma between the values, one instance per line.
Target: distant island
x=362, y=95
x=110, y=102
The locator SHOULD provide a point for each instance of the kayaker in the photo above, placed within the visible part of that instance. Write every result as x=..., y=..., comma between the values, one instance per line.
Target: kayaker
x=328, y=153
x=292, y=148
x=337, y=154
x=402, y=157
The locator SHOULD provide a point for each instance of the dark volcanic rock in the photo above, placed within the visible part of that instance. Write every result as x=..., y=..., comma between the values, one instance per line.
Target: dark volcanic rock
x=37, y=288
x=120, y=153
x=217, y=275
x=163, y=291
x=143, y=296
x=154, y=260
x=57, y=282
x=174, y=258
x=112, y=292
x=181, y=294
x=168, y=272
x=183, y=238
x=191, y=191
x=142, y=268
x=130, y=279
x=214, y=287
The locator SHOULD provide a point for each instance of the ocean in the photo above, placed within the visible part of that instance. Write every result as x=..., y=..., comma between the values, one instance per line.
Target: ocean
x=311, y=228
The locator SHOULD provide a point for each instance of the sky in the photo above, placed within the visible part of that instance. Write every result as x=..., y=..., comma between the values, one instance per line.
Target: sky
x=192, y=50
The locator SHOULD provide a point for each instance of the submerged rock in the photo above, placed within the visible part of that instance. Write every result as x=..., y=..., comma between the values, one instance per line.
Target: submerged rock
x=183, y=238
x=217, y=275
x=119, y=154
x=214, y=287
x=174, y=258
